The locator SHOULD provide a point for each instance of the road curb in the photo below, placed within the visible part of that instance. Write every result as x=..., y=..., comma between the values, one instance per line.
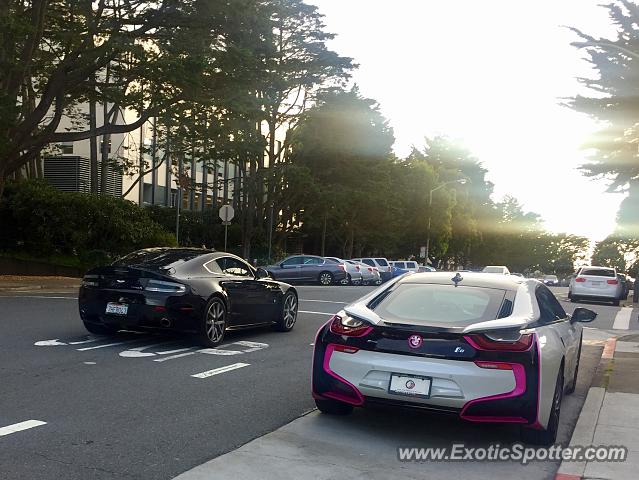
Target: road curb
x=584, y=431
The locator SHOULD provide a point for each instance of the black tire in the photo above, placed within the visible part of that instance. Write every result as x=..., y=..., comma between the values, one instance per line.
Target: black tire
x=573, y=385
x=615, y=302
x=214, y=322
x=288, y=316
x=573, y=299
x=548, y=436
x=325, y=278
x=98, y=329
x=347, y=280
x=333, y=407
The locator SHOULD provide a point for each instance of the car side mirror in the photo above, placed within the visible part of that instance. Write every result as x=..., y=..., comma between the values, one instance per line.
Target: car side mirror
x=583, y=315
x=261, y=273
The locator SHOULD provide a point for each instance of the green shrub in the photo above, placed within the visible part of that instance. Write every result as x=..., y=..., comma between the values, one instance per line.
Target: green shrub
x=37, y=219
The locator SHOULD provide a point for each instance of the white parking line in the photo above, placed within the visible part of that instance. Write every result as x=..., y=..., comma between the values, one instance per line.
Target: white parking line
x=180, y=355
x=622, y=320
x=217, y=371
x=107, y=345
x=315, y=313
x=18, y=427
x=322, y=301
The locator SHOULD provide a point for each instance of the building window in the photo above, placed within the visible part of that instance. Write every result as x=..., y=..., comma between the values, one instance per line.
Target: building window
x=66, y=148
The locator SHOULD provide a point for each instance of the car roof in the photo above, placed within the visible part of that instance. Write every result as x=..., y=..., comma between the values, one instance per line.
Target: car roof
x=469, y=279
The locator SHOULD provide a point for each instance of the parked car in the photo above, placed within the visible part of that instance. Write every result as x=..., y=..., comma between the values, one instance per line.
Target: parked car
x=398, y=272
x=382, y=265
x=308, y=269
x=625, y=285
x=454, y=344
x=185, y=289
x=496, y=269
x=518, y=274
x=370, y=275
x=426, y=268
x=551, y=280
x=353, y=271
x=596, y=283
x=409, y=265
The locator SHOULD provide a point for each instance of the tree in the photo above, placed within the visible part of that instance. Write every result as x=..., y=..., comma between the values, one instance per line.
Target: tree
x=615, y=97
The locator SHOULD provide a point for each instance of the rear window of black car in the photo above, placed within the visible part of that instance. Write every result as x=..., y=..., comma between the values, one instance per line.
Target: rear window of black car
x=441, y=305
x=158, y=259
x=598, y=272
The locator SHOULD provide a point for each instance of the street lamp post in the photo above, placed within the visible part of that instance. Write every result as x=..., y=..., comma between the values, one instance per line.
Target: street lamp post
x=461, y=181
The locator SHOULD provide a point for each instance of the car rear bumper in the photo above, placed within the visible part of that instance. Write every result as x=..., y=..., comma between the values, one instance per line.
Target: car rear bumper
x=457, y=386
x=592, y=292
x=144, y=311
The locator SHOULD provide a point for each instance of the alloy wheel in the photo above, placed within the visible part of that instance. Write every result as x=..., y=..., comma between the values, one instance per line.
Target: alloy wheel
x=290, y=310
x=326, y=278
x=215, y=321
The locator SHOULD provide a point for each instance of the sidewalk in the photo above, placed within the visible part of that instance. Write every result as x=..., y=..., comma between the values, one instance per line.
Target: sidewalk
x=610, y=415
x=14, y=283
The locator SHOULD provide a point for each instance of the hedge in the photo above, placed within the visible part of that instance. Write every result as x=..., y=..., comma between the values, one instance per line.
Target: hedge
x=36, y=219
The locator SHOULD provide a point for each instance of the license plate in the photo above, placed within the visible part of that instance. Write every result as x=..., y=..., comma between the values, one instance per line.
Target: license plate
x=117, y=308
x=596, y=284
x=409, y=385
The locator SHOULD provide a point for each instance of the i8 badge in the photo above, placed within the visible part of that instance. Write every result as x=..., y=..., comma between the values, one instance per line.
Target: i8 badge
x=415, y=341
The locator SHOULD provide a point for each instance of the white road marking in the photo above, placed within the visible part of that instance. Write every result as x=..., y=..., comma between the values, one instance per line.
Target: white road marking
x=18, y=427
x=314, y=313
x=253, y=346
x=217, y=371
x=180, y=355
x=322, y=301
x=138, y=352
x=91, y=340
x=89, y=363
x=177, y=350
x=49, y=343
x=219, y=351
x=622, y=320
x=107, y=345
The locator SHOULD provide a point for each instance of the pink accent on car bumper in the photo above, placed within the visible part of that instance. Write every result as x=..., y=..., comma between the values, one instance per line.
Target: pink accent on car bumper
x=520, y=388
x=336, y=395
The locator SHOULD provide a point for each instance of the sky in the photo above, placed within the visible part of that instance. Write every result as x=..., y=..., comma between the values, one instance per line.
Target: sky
x=491, y=73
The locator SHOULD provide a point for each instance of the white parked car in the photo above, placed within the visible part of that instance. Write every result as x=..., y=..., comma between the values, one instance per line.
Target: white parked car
x=489, y=348
x=370, y=275
x=596, y=283
x=354, y=275
x=409, y=265
x=380, y=263
x=496, y=269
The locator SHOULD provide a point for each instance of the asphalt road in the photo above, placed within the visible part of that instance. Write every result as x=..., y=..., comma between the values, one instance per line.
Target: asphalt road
x=151, y=406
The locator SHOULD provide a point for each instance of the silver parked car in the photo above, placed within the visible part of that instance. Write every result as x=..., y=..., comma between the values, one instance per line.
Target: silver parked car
x=370, y=275
x=380, y=263
x=410, y=265
x=353, y=272
x=596, y=283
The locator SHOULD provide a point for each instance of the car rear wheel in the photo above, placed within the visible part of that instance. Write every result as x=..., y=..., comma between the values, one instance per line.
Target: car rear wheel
x=549, y=435
x=333, y=407
x=347, y=280
x=99, y=329
x=288, y=317
x=325, y=278
x=213, y=326
x=615, y=302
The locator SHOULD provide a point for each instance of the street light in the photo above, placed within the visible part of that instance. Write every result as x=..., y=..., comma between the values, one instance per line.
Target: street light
x=461, y=181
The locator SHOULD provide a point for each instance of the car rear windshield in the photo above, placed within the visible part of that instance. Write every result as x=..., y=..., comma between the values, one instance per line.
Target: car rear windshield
x=158, y=259
x=382, y=262
x=440, y=305
x=493, y=270
x=598, y=272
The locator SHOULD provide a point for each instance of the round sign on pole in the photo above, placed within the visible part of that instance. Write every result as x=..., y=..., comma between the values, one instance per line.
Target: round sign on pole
x=227, y=213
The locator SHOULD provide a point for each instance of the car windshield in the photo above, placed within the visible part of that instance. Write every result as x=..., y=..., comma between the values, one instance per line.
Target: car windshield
x=550, y=277
x=598, y=272
x=493, y=270
x=440, y=305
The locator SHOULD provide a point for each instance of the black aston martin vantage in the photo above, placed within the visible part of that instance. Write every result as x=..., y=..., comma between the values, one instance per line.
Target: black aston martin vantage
x=185, y=289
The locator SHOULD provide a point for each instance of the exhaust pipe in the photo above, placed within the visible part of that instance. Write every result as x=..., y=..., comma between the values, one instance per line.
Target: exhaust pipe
x=165, y=322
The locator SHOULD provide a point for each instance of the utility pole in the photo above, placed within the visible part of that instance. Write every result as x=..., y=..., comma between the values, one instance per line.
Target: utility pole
x=461, y=181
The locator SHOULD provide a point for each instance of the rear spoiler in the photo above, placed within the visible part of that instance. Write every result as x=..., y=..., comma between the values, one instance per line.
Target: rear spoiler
x=506, y=323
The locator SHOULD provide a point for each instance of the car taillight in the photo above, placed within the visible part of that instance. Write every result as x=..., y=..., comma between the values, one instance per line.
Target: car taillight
x=494, y=365
x=341, y=267
x=350, y=327
x=357, y=268
x=483, y=342
x=613, y=282
x=164, y=287
x=370, y=269
x=580, y=279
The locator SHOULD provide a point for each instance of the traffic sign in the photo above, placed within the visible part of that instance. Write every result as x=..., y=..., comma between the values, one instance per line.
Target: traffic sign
x=227, y=213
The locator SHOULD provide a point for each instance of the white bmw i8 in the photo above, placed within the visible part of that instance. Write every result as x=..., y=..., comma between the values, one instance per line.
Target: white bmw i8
x=489, y=348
